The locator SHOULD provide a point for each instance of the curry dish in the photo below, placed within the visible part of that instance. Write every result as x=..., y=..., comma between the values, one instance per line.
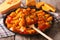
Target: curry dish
x=20, y=20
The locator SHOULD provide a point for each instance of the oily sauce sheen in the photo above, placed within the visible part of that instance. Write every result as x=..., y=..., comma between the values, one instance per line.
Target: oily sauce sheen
x=19, y=20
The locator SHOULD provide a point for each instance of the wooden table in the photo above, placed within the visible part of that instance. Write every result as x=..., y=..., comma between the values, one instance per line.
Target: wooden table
x=54, y=32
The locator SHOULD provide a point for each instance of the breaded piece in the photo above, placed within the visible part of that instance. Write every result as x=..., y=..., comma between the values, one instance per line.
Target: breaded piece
x=39, y=4
x=30, y=2
x=48, y=7
x=45, y=8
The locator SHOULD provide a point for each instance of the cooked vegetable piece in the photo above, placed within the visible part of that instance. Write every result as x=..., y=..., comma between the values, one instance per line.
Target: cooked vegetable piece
x=50, y=18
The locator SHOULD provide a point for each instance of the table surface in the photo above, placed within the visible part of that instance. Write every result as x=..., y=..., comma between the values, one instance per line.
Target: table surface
x=54, y=32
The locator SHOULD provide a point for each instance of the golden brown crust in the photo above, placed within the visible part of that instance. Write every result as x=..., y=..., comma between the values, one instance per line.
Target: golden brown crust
x=48, y=7
x=39, y=4
x=8, y=6
x=30, y=2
